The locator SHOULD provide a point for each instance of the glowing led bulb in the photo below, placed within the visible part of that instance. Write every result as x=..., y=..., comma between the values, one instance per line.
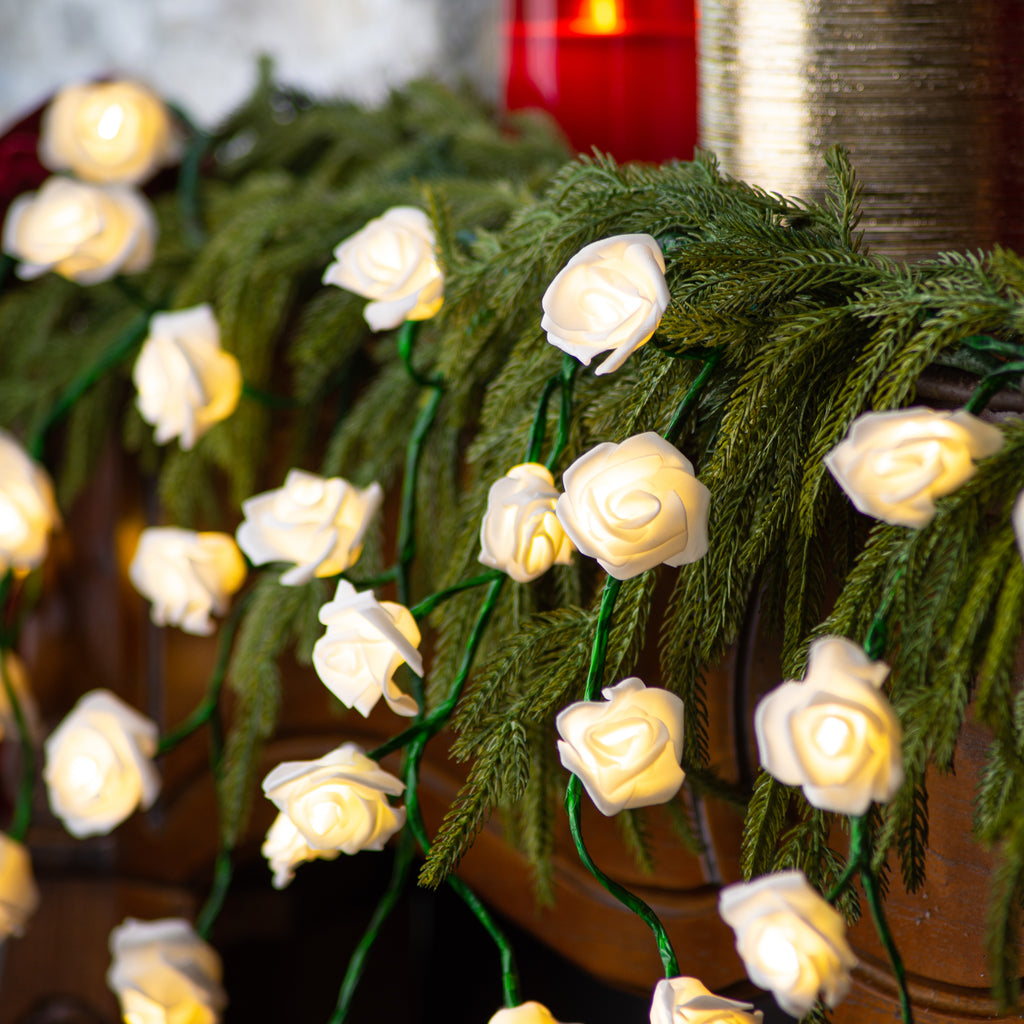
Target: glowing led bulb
x=12, y=524
x=110, y=121
x=323, y=816
x=777, y=954
x=85, y=775
x=832, y=735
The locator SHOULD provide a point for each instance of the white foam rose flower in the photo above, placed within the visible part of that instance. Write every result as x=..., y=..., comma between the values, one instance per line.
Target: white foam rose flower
x=162, y=972
x=525, y=1013
x=184, y=381
x=834, y=734
x=392, y=261
x=626, y=749
x=285, y=848
x=1017, y=519
x=28, y=511
x=86, y=233
x=635, y=505
x=317, y=523
x=520, y=533
x=365, y=643
x=687, y=1001
x=610, y=296
x=790, y=940
x=339, y=801
x=893, y=465
x=99, y=764
x=108, y=132
x=188, y=576
x=19, y=895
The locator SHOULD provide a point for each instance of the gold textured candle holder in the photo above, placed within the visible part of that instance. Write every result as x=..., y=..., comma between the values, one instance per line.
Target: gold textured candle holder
x=928, y=95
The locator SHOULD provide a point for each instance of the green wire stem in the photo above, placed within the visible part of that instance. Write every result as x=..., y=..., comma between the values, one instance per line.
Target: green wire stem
x=400, y=872
x=388, y=576
x=573, y=790
x=188, y=182
x=568, y=379
x=7, y=264
x=407, y=335
x=207, y=713
x=407, y=520
x=121, y=347
x=222, y=872
x=711, y=360
x=22, y=816
x=204, y=712
x=622, y=894
x=860, y=840
x=428, y=604
x=271, y=401
x=563, y=381
x=860, y=860
x=414, y=822
x=433, y=723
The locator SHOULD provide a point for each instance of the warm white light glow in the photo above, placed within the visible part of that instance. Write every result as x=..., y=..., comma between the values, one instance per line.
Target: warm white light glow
x=322, y=817
x=624, y=749
x=85, y=775
x=777, y=953
x=832, y=735
x=110, y=122
x=12, y=524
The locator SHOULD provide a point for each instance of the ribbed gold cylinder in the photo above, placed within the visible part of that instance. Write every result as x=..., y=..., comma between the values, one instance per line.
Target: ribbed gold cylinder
x=928, y=95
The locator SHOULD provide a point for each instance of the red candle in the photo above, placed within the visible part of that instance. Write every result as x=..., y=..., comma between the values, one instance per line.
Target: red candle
x=617, y=74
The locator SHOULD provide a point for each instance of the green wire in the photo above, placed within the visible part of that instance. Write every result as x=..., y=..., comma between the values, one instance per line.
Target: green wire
x=22, y=816
x=121, y=347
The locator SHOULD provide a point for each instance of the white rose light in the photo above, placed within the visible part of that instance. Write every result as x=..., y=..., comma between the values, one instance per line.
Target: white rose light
x=635, y=505
x=163, y=973
x=790, y=940
x=186, y=575
x=525, y=1013
x=520, y=533
x=391, y=260
x=338, y=802
x=19, y=896
x=834, y=734
x=285, y=848
x=626, y=751
x=610, y=296
x=1017, y=518
x=314, y=522
x=98, y=764
x=27, y=510
x=86, y=233
x=108, y=132
x=687, y=1001
x=185, y=381
x=893, y=465
x=365, y=643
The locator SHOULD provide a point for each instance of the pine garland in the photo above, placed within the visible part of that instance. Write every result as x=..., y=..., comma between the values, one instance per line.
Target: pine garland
x=811, y=330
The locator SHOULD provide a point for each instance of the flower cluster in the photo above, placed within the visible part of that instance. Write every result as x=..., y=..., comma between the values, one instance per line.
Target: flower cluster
x=112, y=136
x=338, y=802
